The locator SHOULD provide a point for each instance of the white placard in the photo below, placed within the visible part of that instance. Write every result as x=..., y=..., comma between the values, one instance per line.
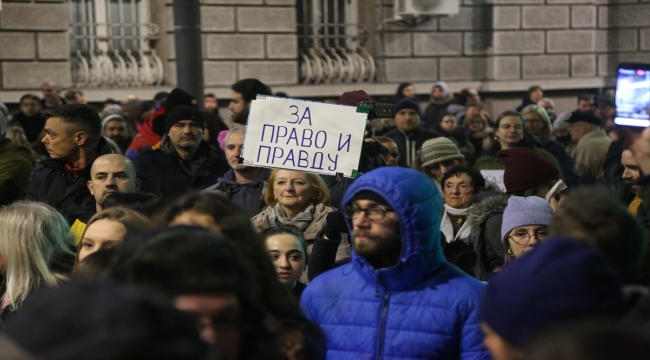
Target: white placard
x=496, y=176
x=304, y=135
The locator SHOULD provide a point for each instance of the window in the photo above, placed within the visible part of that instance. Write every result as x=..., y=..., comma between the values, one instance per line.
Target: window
x=330, y=43
x=112, y=44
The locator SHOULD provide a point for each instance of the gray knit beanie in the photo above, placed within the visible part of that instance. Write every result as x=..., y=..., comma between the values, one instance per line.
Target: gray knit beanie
x=439, y=150
x=525, y=211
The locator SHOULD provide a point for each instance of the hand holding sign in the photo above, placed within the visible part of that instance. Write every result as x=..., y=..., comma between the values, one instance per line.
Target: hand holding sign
x=304, y=135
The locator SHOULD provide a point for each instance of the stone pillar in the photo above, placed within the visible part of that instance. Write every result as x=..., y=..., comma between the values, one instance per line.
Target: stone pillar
x=34, y=44
x=246, y=39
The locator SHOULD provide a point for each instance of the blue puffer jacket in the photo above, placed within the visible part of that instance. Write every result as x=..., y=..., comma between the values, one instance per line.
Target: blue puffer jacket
x=421, y=308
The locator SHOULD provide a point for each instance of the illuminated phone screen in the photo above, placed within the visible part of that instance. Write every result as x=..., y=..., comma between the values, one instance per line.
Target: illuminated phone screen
x=633, y=95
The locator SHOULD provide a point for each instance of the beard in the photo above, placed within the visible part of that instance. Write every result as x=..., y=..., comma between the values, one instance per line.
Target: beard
x=378, y=246
x=241, y=118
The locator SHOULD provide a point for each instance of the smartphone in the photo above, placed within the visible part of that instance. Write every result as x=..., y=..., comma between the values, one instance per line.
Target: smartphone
x=633, y=95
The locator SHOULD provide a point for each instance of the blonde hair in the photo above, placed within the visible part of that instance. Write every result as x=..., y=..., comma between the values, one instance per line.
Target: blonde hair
x=322, y=192
x=32, y=236
x=17, y=135
x=133, y=221
x=540, y=112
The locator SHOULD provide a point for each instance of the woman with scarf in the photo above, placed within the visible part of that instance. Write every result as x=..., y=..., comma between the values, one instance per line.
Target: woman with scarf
x=460, y=185
x=297, y=199
x=538, y=125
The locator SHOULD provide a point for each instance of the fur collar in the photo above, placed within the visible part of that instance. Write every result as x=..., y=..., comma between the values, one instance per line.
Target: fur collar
x=487, y=208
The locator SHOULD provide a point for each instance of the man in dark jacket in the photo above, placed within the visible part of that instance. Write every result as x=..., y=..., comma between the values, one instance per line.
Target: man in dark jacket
x=441, y=98
x=29, y=117
x=182, y=162
x=244, y=185
x=15, y=166
x=73, y=140
x=408, y=135
x=532, y=97
x=398, y=298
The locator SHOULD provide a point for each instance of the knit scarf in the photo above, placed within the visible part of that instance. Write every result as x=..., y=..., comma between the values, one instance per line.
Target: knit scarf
x=446, y=227
x=278, y=217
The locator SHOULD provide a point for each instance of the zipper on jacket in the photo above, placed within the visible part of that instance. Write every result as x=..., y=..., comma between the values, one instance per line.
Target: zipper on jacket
x=382, y=327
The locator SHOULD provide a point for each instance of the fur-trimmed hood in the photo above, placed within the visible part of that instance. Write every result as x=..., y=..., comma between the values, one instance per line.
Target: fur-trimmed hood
x=487, y=208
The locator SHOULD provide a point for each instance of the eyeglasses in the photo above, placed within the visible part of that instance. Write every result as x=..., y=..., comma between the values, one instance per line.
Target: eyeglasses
x=436, y=166
x=522, y=237
x=373, y=214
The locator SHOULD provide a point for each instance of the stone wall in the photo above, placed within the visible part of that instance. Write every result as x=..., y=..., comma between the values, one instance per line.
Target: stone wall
x=513, y=40
x=243, y=39
x=34, y=43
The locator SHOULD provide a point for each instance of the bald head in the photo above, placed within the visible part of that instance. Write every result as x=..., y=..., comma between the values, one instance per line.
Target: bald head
x=112, y=173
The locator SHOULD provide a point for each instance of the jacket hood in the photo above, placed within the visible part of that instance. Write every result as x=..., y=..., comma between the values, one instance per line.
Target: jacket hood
x=418, y=205
x=487, y=208
x=443, y=86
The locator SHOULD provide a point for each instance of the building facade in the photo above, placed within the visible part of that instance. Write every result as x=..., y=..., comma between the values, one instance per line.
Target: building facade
x=321, y=48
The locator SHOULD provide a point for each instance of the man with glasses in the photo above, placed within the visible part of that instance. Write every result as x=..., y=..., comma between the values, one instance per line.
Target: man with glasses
x=391, y=156
x=398, y=298
x=439, y=155
x=592, y=144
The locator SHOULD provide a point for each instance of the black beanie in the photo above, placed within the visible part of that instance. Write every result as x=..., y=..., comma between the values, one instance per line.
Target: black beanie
x=184, y=112
x=179, y=97
x=369, y=195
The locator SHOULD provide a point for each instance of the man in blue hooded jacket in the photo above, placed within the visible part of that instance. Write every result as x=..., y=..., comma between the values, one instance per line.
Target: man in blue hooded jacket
x=398, y=298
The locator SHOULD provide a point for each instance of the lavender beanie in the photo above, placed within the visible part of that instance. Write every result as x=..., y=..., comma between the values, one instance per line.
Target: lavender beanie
x=525, y=211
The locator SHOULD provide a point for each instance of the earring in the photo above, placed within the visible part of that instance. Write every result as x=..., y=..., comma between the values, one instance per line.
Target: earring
x=510, y=253
x=275, y=198
x=496, y=138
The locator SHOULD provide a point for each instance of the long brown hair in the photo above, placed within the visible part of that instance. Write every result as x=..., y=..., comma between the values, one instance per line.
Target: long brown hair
x=133, y=221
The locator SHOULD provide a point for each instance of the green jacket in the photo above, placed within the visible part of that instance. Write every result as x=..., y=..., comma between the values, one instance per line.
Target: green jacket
x=15, y=166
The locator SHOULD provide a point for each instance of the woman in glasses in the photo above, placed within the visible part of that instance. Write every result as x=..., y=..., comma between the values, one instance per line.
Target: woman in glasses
x=525, y=224
x=510, y=133
x=538, y=125
x=437, y=156
x=460, y=186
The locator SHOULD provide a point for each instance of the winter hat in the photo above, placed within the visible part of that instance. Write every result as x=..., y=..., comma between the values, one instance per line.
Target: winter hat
x=184, y=112
x=443, y=86
x=179, y=97
x=106, y=318
x=221, y=138
x=560, y=281
x=525, y=169
x=3, y=126
x=439, y=150
x=161, y=96
x=561, y=121
x=525, y=211
x=407, y=103
x=585, y=116
x=369, y=195
x=111, y=118
x=353, y=98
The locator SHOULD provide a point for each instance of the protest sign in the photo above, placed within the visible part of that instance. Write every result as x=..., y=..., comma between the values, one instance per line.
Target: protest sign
x=496, y=176
x=304, y=135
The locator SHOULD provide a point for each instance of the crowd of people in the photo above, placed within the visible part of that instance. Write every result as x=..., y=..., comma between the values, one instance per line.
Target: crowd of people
x=135, y=232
